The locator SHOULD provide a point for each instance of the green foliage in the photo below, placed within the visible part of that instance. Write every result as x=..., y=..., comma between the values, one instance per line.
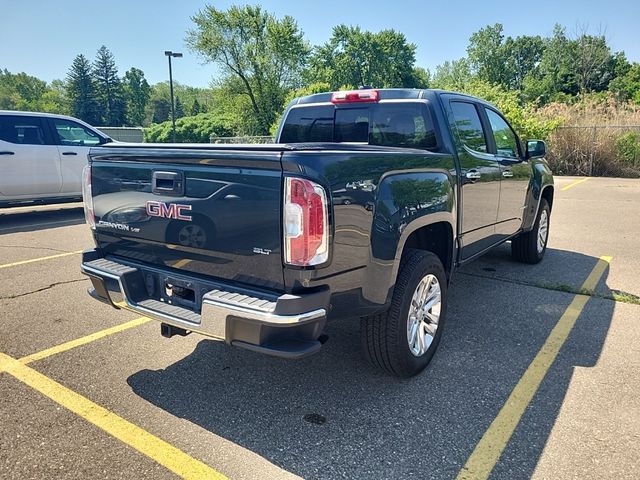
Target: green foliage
x=195, y=107
x=453, y=75
x=179, y=108
x=158, y=108
x=261, y=55
x=628, y=148
x=20, y=91
x=195, y=129
x=487, y=55
x=355, y=57
x=161, y=110
x=81, y=91
x=109, y=90
x=522, y=56
x=627, y=86
x=137, y=93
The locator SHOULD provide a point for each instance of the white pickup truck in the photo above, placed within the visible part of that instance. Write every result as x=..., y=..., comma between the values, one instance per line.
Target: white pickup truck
x=42, y=156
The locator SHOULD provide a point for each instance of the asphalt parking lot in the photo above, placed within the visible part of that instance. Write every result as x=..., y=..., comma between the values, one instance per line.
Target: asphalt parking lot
x=90, y=392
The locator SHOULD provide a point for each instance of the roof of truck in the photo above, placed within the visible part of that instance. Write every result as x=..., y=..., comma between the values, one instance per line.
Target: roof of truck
x=385, y=94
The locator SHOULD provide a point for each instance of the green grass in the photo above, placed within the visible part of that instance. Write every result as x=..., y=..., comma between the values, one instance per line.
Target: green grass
x=615, y=295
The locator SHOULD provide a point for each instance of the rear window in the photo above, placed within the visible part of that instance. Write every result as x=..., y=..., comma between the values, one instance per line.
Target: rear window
x=386, y=124
x=26, y=130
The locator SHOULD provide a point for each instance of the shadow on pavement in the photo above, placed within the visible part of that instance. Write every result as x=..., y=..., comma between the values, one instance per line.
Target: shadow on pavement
x=34, y=220
x=331, y=416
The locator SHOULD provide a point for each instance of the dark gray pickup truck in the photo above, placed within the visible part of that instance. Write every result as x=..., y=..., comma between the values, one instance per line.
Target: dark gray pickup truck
x=364, y=207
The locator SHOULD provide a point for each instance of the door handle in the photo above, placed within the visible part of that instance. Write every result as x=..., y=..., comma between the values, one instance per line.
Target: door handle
x=507, y=174
x=69, y=153
x=167, y=183
x=473, y=175
x=7, y=152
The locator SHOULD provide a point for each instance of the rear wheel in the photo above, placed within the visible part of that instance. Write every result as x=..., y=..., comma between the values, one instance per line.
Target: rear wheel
x=530, y=247
x=402, y=340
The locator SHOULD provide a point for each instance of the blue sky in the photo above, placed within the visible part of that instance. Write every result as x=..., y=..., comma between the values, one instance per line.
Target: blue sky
x=42, y=37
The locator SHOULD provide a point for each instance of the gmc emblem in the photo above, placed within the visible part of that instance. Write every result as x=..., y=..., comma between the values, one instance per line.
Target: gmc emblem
x=168, y=210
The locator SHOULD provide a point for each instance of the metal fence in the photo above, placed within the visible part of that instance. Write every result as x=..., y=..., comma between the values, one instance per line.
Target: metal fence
x=124, y=134
x=243, y=139
x=592, y=150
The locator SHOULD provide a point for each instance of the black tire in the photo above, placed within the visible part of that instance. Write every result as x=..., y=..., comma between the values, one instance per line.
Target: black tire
x=384, y=336
x=524, y=248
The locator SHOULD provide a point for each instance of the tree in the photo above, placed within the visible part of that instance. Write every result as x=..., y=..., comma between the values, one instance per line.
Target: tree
x=161, y=110
x=522, y=56
x=137, y=93
x=54, y=100
x=353, y=58
x=452, y=75
x=19, y=91
x=593, y=62
x=110, y=93
x=81, y=91
x=487, y=55
x=627, y=87
x=179, y=108
x=554, y=77
x=264, y=54
x=195, y=107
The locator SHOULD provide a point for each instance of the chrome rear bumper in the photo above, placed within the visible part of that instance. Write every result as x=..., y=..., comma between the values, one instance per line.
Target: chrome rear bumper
x=283, y=325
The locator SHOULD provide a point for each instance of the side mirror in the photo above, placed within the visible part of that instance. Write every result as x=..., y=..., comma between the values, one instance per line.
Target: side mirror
x=536, y=149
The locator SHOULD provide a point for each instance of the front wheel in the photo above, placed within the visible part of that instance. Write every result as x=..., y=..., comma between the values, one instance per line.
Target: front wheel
x=530, y=247
x=402, y=340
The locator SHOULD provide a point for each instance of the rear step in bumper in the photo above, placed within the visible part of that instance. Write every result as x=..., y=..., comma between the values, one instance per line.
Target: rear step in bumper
x=286, y=325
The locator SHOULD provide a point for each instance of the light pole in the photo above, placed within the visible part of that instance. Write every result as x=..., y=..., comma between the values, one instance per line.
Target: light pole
x=170, y=54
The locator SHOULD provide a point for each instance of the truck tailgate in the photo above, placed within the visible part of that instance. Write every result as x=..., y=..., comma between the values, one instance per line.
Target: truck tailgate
x=209, y=211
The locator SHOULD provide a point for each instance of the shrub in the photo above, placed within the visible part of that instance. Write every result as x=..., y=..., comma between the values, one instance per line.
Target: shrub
x=195, y=129
x=628, y=148
x=611, y=147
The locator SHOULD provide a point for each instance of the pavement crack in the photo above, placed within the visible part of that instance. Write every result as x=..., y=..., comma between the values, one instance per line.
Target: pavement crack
x=42, y=289
x=35, y=248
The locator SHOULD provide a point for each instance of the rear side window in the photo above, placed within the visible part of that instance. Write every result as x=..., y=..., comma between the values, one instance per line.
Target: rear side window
x=23, y=130
x=386, y=124
x=469, y=126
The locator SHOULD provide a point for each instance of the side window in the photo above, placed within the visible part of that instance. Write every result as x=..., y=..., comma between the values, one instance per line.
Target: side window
x=506, y=142
x=73, y=134
x=402, y=125
x=25, y=130
x=469, y=126
x=308, y=124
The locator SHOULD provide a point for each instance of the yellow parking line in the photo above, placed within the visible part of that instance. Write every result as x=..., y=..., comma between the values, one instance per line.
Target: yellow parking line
x=146, y=443
x=573, y=184
x=495, y=439
x=24, y=262
x=83, y=340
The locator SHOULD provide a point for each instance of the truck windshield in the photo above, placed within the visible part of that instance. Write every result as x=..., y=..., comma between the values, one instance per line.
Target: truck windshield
x=387, y=124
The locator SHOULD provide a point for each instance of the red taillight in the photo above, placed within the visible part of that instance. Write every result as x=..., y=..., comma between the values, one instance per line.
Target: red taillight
x=306, y=236
x=355, y=96
x=87, y=198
